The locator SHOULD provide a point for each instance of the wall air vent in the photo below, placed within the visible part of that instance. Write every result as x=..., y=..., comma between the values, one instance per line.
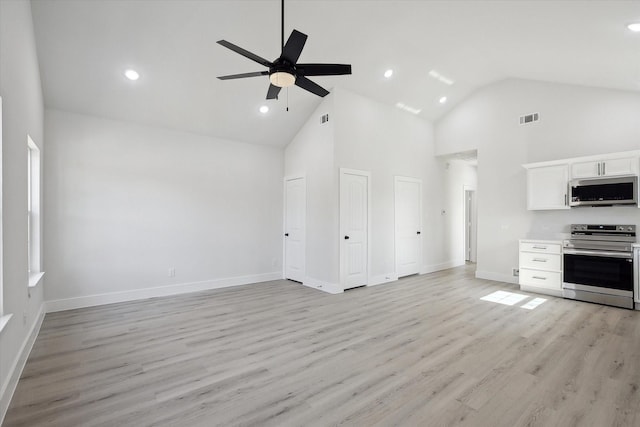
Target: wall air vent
x=324, y=118
x=529, y=118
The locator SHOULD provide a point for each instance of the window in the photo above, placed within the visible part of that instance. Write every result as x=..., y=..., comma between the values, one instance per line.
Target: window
x=4, y=317
x=33, y=212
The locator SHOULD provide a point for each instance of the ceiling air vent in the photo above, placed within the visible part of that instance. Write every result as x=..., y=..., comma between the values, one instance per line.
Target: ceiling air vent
x=324, y=118
x=529, y=118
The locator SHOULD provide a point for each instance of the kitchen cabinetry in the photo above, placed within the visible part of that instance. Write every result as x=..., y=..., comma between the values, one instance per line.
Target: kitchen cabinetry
x=610, y=167
x=547, y=187
x=541, y=266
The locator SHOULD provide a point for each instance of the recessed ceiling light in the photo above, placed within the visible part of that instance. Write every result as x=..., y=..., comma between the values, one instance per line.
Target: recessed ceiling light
x=388, y=73
x=408, y=108
x=132, y=74
x=443, y=99
x=635, y=27
x=264, y=109
x=436, y=75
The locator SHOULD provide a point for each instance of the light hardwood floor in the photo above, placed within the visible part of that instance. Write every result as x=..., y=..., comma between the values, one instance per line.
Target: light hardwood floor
x=421, y=351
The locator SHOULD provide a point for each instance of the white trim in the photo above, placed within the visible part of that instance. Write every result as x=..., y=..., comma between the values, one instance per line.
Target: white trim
x=14, y=373
x=396, y=180
x=331, y=288
x=497, y=277
x=346, y=171
x=35, y=279
x=159, y=291
x=4, y=320
x=441, y=266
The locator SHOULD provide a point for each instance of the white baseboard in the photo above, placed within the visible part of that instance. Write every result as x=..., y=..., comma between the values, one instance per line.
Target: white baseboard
x=160, y=291
x=11, y=382
x=498, y=277
x=332, y=288
x=442, y=266
x=383, y=278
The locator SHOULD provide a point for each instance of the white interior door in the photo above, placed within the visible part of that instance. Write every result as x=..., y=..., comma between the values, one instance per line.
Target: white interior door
x=408, y=220
x=354, y=227
x=294, y=229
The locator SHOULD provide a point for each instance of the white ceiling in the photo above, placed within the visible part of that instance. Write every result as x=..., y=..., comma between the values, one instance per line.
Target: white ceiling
x=85, y=46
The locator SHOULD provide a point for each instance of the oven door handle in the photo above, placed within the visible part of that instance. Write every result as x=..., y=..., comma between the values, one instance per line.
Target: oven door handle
x=599, y=253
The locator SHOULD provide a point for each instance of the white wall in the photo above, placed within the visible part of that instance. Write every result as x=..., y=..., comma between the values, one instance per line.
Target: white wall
x=366, y=135
x=126, y=203
x=310, y=153
x=387, y=142
x=574, y=121
x=22, y=112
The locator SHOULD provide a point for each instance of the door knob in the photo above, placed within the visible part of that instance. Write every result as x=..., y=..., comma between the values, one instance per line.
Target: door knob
x=286, y=234
x=417, y=232
x=346, y=237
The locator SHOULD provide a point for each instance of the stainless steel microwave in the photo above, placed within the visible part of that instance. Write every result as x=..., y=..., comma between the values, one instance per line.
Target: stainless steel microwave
x=604, y=191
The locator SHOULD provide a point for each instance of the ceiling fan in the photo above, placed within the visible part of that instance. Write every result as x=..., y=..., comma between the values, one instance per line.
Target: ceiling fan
x=285, y=71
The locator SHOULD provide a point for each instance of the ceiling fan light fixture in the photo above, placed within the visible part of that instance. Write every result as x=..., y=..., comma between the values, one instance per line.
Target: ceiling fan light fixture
x=282, y=79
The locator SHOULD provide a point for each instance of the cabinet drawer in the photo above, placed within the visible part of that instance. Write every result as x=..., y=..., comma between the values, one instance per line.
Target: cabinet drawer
x=541, y=279
x=548, y=248
x=540, y=261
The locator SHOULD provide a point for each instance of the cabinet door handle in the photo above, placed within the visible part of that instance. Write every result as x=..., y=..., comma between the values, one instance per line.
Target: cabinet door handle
x=539, y=260
x=286, y=234
x=346, y=237
x=598, y=169
x=539, y=277
x=603, y=168
x=417, y=232
x=539, y=247
x=565, y=200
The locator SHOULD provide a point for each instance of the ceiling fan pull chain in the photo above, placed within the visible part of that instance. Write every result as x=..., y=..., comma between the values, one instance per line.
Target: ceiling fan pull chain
x=287, y=99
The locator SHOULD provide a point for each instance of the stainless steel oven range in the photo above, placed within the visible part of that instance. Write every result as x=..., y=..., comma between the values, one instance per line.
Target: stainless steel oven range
x=599, y=265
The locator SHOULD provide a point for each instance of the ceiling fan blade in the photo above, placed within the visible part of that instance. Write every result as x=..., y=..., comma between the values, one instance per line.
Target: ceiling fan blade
x=292, y=50
x=245, y=53
x=323, y=69
x=273, y=92
x=312, y=87
x=244, y=75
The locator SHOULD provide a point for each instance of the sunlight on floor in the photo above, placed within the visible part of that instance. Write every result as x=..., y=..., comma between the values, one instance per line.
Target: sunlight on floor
x=511, y=298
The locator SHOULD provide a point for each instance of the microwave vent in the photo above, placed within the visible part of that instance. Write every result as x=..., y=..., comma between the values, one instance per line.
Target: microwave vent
x=529, y=118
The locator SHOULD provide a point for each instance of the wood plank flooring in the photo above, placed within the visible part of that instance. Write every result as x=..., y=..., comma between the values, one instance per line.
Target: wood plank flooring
x=421, y=351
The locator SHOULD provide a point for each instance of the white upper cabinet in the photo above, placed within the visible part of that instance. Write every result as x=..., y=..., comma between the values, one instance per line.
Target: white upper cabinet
x=547, y=187
x=610, y=167
x=548, y=182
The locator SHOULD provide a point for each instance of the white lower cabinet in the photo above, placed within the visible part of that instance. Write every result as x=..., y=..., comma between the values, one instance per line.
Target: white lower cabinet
x=541, y=266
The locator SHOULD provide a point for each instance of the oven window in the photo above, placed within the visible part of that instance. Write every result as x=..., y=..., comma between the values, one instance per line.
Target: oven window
x=605, y=272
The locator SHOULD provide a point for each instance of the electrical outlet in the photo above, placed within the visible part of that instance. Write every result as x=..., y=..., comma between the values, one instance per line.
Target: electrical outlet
x=172, y=272
x=515, y=271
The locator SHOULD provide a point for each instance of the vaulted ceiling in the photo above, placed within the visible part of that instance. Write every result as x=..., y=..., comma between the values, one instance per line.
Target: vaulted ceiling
x=85, y=46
